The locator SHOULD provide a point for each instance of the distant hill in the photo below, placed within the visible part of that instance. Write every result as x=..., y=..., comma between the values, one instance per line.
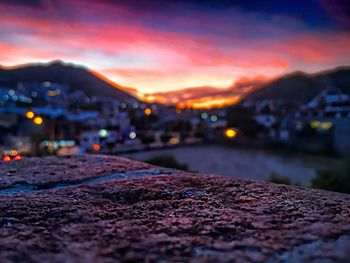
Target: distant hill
x=76, y=77
x=299, y=87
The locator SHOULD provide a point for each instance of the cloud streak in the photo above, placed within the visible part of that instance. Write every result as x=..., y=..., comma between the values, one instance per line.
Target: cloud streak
x=206, y=96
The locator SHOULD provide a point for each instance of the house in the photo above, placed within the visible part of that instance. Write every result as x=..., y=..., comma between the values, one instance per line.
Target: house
x=328, y=97
x=266, y=120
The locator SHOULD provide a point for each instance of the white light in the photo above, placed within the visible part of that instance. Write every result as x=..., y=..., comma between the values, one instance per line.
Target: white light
x=47, y=84
x=103, y=133
x=132, y=135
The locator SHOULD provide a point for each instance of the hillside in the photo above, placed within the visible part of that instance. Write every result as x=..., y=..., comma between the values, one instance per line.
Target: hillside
x=299, y=87
x=75, y=77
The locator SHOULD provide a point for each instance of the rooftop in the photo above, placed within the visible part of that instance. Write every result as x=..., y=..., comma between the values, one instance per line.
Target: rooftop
x=96, y=208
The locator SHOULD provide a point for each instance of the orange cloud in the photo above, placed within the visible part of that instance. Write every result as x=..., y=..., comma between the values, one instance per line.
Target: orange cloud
x=208, y=97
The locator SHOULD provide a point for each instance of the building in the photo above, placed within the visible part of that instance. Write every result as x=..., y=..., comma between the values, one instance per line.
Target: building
x=328, y=97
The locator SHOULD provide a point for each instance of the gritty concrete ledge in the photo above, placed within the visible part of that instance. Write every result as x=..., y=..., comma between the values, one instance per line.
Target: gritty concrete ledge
x=109, y=209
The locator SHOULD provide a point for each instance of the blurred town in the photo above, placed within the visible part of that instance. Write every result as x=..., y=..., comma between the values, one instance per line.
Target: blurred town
x=49, y=118
x=45, y=118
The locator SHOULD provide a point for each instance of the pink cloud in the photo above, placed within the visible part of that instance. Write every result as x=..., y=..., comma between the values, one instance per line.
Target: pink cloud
x=312, y=49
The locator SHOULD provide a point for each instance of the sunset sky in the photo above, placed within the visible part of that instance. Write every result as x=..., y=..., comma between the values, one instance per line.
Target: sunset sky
x=159, y=46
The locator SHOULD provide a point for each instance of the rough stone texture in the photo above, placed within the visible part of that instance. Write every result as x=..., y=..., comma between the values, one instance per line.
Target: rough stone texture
x=48, y=170
x=169, y=217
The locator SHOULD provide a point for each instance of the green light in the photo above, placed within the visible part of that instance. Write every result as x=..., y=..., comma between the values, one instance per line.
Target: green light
x=214, y=118
x=103, y=133
x=204, y=116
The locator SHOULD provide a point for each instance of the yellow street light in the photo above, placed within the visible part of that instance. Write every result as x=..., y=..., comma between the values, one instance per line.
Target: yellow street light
x=38, y=120
x=230, y=133
x=30, y=115
x=148, y=111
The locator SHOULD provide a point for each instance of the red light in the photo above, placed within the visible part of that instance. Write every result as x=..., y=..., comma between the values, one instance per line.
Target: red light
x=6, y=159
x=17, y=158
x=96, y=147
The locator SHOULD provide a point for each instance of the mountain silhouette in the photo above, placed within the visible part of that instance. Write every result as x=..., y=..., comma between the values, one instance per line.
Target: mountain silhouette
x=299, y=87
x=76, y=77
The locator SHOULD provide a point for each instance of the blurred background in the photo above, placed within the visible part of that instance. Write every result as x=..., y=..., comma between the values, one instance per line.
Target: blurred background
x=185, y=84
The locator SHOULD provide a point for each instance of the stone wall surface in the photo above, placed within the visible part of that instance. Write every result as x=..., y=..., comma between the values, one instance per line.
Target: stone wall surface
x=109, y=209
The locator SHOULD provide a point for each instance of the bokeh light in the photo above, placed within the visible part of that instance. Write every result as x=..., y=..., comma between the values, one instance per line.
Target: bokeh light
x=214, y=118
x=148, y=111
x=38, y=120
x=6, y=159
x=230, y=133
x=103, y=133
x=96, y=147
x=204, y=115
x=132, y=135
x=30, y=115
